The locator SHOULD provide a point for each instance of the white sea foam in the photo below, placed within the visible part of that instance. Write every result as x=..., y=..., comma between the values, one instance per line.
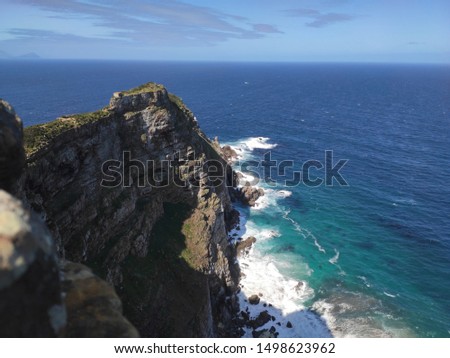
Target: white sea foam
x=258, y=143
x=389, y=294
x=364, y=279
x=284, y=193
x=282, y=296
x=335, y=258
x=245, y=147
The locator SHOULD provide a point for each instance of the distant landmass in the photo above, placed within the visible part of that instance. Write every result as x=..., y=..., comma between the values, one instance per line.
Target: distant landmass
x=27, y=56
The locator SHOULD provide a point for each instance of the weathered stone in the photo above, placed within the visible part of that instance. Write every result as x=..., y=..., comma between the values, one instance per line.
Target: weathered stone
x=229, y=154
x=164, y=246
x=259, y=321
x=30, y=294
x=248, y=194
x=244, y=246
x=265, y=333
x=254, y=299
x=12, y=155
x=93, y=307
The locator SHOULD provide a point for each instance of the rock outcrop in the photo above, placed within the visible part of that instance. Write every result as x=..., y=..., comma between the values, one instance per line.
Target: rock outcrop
x=12, y=155
x=30, y=292
x=33, y=302
x=139, y=194
x=93, y=307
x=243, y=247
x=249, y=194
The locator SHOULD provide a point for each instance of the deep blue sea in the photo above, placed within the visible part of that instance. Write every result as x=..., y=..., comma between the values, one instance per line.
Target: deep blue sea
x=373, y=258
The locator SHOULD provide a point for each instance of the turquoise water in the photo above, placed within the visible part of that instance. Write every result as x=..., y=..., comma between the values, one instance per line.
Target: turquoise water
x=376, y=254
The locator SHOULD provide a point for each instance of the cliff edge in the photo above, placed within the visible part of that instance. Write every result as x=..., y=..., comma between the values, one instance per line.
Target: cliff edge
x=137, y=193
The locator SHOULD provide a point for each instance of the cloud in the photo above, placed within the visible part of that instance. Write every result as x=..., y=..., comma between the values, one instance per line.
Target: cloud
x=265, y=28
x=320, y=19
x=155, y=22
x=413, y=43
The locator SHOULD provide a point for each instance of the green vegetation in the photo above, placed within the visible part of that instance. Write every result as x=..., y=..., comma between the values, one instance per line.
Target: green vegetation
x=38, y=136
x=146, y=87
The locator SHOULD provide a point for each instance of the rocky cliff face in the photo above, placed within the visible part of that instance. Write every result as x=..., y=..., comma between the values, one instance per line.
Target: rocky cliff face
x=155, y=231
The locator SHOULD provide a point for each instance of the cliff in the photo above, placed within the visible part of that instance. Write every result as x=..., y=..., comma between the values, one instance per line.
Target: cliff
x=155, y=231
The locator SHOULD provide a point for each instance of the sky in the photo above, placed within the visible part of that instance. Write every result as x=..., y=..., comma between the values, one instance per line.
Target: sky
x=403, y=31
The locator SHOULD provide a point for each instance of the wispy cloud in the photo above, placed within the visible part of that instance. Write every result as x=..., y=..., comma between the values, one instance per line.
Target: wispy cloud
x=320, y=19
x=155, y=22
x=265, y=28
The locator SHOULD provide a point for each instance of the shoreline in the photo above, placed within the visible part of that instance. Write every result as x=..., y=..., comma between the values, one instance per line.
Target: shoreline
x=270, y=303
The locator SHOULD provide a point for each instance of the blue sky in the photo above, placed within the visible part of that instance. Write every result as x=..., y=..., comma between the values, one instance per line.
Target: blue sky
x=229, y=30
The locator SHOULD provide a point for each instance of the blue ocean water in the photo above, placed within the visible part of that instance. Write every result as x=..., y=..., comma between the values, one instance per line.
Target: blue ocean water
x=376, y=254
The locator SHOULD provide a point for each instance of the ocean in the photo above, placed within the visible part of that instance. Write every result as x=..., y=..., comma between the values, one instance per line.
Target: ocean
x=370, y=259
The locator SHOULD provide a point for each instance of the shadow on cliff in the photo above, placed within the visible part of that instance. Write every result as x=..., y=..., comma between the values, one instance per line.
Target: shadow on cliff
x=163, y=294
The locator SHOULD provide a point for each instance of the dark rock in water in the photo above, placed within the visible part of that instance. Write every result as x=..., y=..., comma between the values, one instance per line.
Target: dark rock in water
x=12, y=154
x=265, y=333
x=289, y=324
x=93, y=307
x=30, y=293
x=254, y=299
x=232, y=218
x=279, y=324
x=299, y=286
x=286, y=248
x=229, y=153
x=248, y=194
x=265, y=304
x=244, y=246
x=259, y=321
x=274, y=332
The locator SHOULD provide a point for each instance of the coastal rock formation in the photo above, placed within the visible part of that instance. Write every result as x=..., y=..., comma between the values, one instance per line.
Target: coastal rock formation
x=229, y=154
x=254, y=299
x=132, y=191
x=248, y=194
x=33, y=302
x=244, y=246
x=12, y=155
x=30, y=293
x=93, y=307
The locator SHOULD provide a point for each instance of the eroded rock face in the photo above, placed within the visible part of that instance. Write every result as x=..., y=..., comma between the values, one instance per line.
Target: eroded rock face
x=12, y=156
x=161, y=243
x=30, y=292
x=249, y=194
x=93, y=307
x=244, y=246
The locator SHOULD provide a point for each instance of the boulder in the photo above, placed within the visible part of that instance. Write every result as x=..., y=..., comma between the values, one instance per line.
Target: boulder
x=244, y=246
x=30, y=292
x=248, y=194
x=254, y=299
x=259, y=321
x=266, y=333
x=12, y=154
x=93, y=307
x=229, y=154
